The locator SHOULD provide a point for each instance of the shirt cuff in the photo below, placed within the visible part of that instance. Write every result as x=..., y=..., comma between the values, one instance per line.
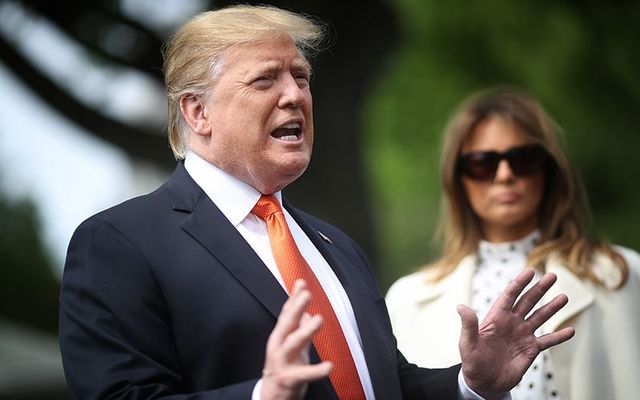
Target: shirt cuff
x=255, y=395
x=465, y=392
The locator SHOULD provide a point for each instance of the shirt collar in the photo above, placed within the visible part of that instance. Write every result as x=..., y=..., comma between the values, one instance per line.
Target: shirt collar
x=234, y=197
x=505, y=250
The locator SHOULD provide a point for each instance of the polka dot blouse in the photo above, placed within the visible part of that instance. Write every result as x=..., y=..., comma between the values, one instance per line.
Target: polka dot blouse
x=497, y=264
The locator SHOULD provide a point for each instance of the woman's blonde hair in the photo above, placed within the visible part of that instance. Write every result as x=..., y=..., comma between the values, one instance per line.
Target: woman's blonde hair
x=194, y=55
x=563, y=211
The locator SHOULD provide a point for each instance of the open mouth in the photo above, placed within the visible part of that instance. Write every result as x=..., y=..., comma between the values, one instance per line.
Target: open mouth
x=289, y=132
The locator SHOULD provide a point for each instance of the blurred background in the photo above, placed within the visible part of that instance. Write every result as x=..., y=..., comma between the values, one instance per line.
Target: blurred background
x=82, y=127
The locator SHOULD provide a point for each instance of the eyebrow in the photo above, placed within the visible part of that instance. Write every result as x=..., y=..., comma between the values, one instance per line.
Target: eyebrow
x=301, y=62
x=274, y=66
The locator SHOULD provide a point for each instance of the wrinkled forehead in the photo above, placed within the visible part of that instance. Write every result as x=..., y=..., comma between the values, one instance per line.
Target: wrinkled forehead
x=267, y=53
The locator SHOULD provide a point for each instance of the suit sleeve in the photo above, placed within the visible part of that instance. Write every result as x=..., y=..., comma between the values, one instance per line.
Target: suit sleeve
x=422, y=383
x=115, y=333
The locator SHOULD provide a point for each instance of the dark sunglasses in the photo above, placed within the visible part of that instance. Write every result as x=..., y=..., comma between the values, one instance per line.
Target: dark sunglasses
x=523, y=160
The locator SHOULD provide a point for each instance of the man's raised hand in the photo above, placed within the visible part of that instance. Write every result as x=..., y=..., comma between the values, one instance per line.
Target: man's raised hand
x=287, y=371
x=496, y=354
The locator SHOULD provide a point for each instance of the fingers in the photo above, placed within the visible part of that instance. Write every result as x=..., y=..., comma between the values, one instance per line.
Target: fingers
x=315, y=372
x=289, y=363
x=298, y=341
x=532, y=296
x=292, y=311
x=291, y=383
x=299, y=374
x=542, y=315
x=287, y=370
x=508, y=298
x=469, y=319
x=552, y=339
x=298, y=285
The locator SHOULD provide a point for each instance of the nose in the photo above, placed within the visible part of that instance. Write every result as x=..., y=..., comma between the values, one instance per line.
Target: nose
x=504, y=172
x=293, y=95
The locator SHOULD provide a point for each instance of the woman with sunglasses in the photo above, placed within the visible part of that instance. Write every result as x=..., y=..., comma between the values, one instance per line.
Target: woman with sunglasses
x=511, y=201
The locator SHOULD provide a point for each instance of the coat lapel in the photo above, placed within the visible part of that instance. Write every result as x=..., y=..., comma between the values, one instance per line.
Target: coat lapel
x=580, y=297
x=439, y=301
x=454, y=289
x=379, y=356
x=207, y=225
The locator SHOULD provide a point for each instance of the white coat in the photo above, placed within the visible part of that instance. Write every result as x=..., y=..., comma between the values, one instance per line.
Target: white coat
x=601, y=362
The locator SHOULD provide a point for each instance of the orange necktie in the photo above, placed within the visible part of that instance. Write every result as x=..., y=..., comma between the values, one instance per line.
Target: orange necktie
x=329, y=341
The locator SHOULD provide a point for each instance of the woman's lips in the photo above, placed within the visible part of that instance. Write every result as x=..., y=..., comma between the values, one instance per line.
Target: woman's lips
x=508, y=197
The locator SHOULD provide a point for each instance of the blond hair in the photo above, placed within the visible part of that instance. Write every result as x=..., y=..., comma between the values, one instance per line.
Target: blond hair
x=194, y=55
x=563, y=214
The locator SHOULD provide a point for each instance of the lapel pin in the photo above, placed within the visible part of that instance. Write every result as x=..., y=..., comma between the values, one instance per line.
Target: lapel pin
x=324, y=237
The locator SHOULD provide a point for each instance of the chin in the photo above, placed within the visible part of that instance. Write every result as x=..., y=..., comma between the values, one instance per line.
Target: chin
x=293, y=165
x=283, y=176
x=294, y=173
x=515, y=222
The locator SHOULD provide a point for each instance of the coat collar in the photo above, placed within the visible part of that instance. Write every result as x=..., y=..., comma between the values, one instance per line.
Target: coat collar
x=206, y=224
x=579, y=294
x=456, y=289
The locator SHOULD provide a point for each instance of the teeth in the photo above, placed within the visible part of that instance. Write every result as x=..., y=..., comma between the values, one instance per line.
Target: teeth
x=292, y=125
x=289, y=138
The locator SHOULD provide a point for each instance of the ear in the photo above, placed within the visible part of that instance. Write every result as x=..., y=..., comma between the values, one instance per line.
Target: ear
x=195, y=113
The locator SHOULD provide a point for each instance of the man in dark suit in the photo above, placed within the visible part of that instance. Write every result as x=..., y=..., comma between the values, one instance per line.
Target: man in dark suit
x=182, y=293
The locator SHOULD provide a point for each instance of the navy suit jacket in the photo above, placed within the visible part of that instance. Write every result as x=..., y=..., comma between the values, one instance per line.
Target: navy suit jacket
x=161, y=297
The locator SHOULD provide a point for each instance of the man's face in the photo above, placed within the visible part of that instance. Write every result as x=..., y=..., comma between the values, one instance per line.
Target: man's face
x=260, y=115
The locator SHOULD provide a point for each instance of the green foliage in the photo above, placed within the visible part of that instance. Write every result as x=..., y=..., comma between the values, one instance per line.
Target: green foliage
x=581, y=61
x=28, y=289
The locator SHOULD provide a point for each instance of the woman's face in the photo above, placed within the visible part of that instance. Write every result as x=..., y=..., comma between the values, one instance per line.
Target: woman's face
x=507, y=205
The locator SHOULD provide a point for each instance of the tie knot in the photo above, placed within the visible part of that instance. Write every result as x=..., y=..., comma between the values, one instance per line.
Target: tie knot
x=266, y=206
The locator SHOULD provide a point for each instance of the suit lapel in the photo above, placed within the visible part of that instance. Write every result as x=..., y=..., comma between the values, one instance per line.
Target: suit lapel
x=344, y=269
x=207, y=225
x=379, y=358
